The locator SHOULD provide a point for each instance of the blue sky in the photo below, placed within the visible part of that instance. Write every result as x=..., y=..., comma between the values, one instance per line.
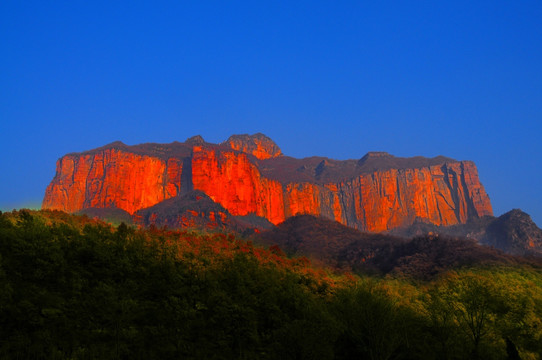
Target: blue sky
x=331, y=78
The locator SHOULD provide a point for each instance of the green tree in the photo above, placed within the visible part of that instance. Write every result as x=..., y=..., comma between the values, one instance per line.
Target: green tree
x=371, y=323
x=477, y=304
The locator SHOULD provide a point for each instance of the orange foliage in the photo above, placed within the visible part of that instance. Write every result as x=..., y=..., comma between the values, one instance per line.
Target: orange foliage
x=202, y=251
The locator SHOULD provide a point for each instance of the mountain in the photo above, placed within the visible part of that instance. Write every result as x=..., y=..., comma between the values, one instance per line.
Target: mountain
x=191, y=210
x=330, y=243
x=249, y=176
x=514, y=232
x=197, y=210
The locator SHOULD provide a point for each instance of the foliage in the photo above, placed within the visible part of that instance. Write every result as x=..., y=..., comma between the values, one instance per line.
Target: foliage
x=76, y=288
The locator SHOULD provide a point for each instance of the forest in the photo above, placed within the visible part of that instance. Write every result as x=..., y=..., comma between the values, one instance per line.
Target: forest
x=72, y=287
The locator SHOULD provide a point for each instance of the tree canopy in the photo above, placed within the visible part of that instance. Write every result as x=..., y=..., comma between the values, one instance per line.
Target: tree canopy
x=75, y=288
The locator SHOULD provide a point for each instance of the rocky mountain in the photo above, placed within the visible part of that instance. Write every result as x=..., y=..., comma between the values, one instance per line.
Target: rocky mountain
x=514, y=232
x=249, y=176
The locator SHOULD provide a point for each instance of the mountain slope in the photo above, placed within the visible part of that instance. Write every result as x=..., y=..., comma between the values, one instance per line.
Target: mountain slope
x=333, y=244
x=514, y=232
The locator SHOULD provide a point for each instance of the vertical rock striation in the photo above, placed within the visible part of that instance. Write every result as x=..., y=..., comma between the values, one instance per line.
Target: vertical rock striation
x=110, y=178
x=248, y=175
x=230, y=179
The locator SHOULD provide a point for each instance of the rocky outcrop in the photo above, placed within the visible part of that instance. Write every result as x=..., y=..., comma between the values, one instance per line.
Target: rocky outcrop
x=192, y=210
x=515, y=233
x=248, y=175
x=257, y=145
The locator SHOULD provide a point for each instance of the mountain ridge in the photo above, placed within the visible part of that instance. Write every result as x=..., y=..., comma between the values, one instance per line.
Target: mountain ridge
x=513, y=232
x=422, y=256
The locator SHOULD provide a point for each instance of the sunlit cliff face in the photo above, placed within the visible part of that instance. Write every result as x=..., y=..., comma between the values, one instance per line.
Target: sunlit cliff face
x=257, y=145
x=111, y=178
x=132, y=178
x=230, y=179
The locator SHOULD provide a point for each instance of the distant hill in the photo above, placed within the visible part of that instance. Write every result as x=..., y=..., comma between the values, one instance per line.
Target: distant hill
x=111, y=215
x=193, y=210
x=336, y=245
x=196, y=210
x=514, y=232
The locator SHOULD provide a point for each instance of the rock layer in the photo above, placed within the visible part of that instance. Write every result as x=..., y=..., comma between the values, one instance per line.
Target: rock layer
x=248, y=175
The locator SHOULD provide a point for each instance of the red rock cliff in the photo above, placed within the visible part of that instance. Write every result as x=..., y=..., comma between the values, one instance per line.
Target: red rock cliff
x=441, y=194
x=112, y=178
x=230, y=179
x=377, y=193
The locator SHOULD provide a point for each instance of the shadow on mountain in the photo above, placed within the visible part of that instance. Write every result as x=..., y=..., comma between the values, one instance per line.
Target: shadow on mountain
x=331, y=243
x=111, y=215
x=514, y=233
x=196, y=210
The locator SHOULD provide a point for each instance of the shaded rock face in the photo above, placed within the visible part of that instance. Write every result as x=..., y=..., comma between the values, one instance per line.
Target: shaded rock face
x=248, y=175
x=514, y=232
x=333, y=244
x=192, y=210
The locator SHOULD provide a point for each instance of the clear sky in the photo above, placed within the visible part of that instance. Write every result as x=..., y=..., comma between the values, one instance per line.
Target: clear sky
x=331, y=78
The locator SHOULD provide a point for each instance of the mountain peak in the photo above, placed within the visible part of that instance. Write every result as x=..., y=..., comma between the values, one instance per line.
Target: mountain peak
x=195, y=140
x=259, y=145
x=515, y=232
